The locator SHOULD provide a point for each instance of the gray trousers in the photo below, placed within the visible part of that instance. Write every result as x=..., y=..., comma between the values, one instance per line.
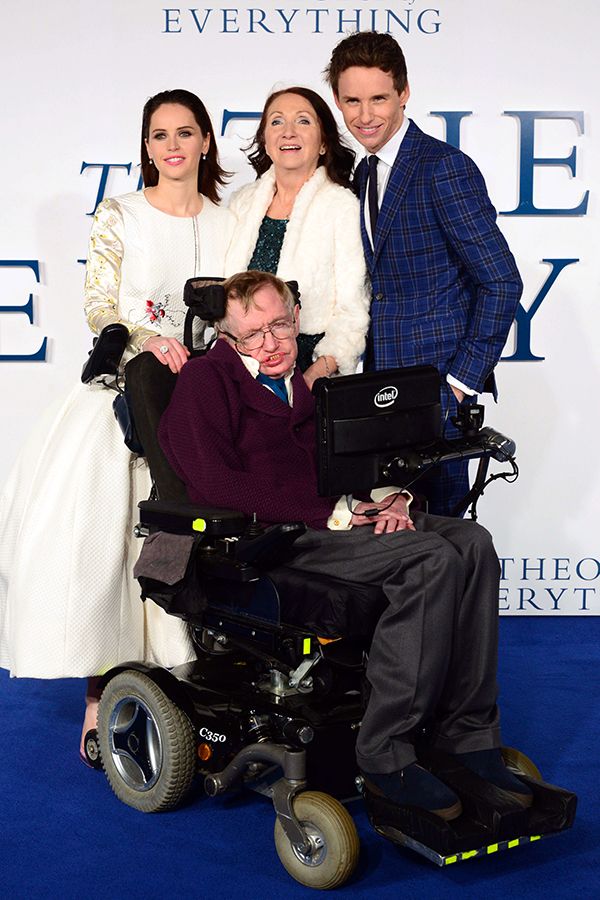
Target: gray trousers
x=433, y=656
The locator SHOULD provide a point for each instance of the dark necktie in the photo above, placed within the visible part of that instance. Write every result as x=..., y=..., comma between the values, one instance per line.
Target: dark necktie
x=277, y=385
x=372, y=195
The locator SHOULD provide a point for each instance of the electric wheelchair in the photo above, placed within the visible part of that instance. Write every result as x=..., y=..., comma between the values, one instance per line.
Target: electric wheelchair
x=275, y=698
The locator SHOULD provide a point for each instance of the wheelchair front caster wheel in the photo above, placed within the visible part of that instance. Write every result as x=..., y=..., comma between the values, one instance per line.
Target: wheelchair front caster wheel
x=333, y=840
x=520, y=764
x=146, y=742
x=91, y=749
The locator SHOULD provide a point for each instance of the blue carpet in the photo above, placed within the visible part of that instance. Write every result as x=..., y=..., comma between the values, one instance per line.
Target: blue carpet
x=63, y=834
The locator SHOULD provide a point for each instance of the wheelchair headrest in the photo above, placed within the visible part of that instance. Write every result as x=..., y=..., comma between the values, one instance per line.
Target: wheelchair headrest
x=205, y=297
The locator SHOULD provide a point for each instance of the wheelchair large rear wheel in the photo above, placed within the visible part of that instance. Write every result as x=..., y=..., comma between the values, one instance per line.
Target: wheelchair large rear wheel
x=146, y=743
x=334, y=844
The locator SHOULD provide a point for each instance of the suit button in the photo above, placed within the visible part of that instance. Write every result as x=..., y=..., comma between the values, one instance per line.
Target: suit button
x=379, y=296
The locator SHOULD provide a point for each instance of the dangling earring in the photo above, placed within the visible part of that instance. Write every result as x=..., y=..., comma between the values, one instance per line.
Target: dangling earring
x=322, y=151
x=203, y=156
x=151, y=161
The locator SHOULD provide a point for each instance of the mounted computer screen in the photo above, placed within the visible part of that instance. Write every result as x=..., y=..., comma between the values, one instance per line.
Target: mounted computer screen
x=363, y=420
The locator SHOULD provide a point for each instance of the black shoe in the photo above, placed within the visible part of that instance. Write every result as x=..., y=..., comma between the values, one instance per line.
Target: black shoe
x=415, y=786
x=489, y=765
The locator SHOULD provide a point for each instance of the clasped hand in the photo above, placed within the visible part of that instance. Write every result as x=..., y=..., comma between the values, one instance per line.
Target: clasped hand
x=174, y=356
x=392, y=515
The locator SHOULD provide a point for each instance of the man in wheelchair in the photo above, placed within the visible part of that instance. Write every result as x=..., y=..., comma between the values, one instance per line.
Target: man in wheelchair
x=240, y=432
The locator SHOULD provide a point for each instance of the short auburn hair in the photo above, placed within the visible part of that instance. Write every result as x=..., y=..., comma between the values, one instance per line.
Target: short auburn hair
x=369, y=50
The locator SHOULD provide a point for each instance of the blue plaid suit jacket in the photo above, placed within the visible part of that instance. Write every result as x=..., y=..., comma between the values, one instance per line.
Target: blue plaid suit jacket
x=445, y=284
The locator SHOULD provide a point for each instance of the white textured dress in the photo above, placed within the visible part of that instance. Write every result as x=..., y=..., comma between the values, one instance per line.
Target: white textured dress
x=69, y=605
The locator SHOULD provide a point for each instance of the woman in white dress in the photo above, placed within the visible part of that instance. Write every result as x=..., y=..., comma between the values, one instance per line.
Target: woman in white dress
x=69, y=606
x=301, y=221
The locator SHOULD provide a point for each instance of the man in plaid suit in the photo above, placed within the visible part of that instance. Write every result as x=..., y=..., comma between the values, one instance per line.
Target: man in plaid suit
x=445, y=284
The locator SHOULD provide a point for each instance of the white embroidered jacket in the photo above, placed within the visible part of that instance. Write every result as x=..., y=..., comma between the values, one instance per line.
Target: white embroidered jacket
x=322, y=251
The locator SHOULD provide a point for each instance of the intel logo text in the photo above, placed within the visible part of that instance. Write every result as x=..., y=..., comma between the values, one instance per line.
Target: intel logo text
x=386, y=396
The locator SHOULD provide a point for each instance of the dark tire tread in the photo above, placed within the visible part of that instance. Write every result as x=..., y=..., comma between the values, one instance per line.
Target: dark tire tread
x=177, y=736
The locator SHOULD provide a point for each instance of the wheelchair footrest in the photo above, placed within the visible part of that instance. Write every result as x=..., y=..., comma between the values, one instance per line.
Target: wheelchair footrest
x=446, y=859
x=487, y=825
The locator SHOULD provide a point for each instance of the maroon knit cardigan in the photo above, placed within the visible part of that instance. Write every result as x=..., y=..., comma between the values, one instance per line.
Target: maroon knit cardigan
x=235, y=444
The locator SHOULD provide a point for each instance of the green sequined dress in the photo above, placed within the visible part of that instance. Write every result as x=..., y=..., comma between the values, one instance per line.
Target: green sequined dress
x=266, y=259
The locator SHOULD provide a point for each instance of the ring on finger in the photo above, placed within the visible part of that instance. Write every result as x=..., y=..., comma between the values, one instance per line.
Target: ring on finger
x=164, y=348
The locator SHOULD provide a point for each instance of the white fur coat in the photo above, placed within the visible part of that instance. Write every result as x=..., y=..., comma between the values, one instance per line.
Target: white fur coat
x=322, y=251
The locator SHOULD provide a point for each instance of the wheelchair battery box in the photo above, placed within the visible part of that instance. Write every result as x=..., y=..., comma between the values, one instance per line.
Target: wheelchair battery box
x=364, y=420
x=188, y=518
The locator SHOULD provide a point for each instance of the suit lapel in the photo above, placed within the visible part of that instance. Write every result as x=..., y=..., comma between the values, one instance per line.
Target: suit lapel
x=401, y=175
x=252, y=393
x=259, y=397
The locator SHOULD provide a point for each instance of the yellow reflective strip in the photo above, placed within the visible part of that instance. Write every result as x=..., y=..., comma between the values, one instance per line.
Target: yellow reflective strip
x=493, y=848
x=514, y=843
x=468, y=854
x=449, y=860
x=199, y=525
x=306, y=645
x=535, y=837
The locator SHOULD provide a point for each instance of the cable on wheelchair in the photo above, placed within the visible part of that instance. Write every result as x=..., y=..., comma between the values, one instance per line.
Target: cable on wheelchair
x=473, y=496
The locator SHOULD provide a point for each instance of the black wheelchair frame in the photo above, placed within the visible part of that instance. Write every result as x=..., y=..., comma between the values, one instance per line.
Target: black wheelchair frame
x=274, y=700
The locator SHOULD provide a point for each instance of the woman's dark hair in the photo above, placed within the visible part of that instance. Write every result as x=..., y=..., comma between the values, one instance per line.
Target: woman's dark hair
x=210, y=173
x=338, y=159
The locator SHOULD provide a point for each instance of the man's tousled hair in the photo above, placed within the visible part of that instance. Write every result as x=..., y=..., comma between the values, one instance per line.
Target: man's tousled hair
x=370, y=50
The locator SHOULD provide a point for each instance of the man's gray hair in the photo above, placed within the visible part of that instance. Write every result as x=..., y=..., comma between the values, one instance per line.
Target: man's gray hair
x=243, y=287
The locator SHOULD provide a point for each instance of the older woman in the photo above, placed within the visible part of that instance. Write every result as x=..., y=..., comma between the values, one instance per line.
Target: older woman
x=300, y=220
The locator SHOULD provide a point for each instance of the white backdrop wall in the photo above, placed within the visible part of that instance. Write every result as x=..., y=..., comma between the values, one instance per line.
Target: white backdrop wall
x=75, y=77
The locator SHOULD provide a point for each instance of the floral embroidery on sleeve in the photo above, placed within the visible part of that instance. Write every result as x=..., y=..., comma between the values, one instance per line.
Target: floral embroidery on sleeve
x=103, y=273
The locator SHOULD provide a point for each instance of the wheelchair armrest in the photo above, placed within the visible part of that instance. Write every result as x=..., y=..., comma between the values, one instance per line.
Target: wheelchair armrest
x=484, y=444
x=189, y=518
x=497, y=445
x=105, y=355
x=269, y=548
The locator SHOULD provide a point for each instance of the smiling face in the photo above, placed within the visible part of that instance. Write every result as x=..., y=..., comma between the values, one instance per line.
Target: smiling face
x=175, y=142
x=276, y=356
x=372, y=108
x=293, y=138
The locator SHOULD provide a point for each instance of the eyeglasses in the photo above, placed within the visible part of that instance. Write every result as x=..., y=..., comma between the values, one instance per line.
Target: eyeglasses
x=255, y=340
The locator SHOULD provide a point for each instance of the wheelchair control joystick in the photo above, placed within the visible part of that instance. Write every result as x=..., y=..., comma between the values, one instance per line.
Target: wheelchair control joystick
x=254, y=529
x=469, y=419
